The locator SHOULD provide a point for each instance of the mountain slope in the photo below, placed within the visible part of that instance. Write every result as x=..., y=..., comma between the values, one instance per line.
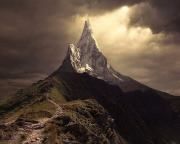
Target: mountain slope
x=75, y=122
x=142, y=117
x=136, y=119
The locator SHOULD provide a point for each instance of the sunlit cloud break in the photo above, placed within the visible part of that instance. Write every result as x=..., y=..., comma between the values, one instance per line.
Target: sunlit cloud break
x=131, y=49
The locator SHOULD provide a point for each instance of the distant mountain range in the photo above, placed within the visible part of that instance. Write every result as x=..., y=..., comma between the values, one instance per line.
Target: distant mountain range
x=85, y=101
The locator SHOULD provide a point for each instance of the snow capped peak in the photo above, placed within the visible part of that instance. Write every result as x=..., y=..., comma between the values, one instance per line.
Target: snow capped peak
x=87, y=26
x=86, y=36
x=86, y=57
x=87, y=29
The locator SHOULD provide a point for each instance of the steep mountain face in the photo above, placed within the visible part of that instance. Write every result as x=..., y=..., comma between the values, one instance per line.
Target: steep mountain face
x=141, y=117
x=60, y=109
x=86, y=57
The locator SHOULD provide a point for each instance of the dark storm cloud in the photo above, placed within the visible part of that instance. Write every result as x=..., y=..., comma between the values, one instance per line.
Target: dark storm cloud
x=159, y=15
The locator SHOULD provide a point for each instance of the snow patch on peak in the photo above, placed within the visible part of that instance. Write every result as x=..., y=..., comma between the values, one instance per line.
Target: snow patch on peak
x=75, y=60
x=117, y=77
x=87, y=68
x=74, y=56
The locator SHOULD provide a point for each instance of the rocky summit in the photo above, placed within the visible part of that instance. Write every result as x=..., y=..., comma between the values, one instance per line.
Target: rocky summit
x=85, y=101
x=86, y=57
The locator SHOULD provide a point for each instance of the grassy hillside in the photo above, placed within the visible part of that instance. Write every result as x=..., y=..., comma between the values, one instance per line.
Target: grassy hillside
x=78, y=122
x=136, y=119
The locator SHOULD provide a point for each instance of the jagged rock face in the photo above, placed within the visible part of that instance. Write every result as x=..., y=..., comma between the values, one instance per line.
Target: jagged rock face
x=86, y=57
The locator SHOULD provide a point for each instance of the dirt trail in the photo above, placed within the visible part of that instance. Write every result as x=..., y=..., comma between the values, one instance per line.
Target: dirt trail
x=58, y=108
x=35, y=137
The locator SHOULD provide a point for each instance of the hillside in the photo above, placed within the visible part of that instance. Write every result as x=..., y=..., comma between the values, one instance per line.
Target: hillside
x=75, y=122
x=136, y=120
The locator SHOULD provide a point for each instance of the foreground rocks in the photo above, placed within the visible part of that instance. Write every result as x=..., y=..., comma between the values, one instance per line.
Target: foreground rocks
x=73, y=123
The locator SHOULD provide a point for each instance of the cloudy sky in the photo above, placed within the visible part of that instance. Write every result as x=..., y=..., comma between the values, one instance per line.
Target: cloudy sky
x=141, y=38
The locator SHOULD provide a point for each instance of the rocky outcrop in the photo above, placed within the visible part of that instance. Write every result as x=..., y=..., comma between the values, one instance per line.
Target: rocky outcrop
x=87, y=57
x=79, y=122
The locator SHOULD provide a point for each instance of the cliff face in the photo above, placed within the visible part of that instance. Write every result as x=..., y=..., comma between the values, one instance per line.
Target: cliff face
x=87, y=57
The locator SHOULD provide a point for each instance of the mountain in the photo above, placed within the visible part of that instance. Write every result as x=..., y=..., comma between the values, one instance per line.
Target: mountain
x=86, y=101
x=86, y=57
